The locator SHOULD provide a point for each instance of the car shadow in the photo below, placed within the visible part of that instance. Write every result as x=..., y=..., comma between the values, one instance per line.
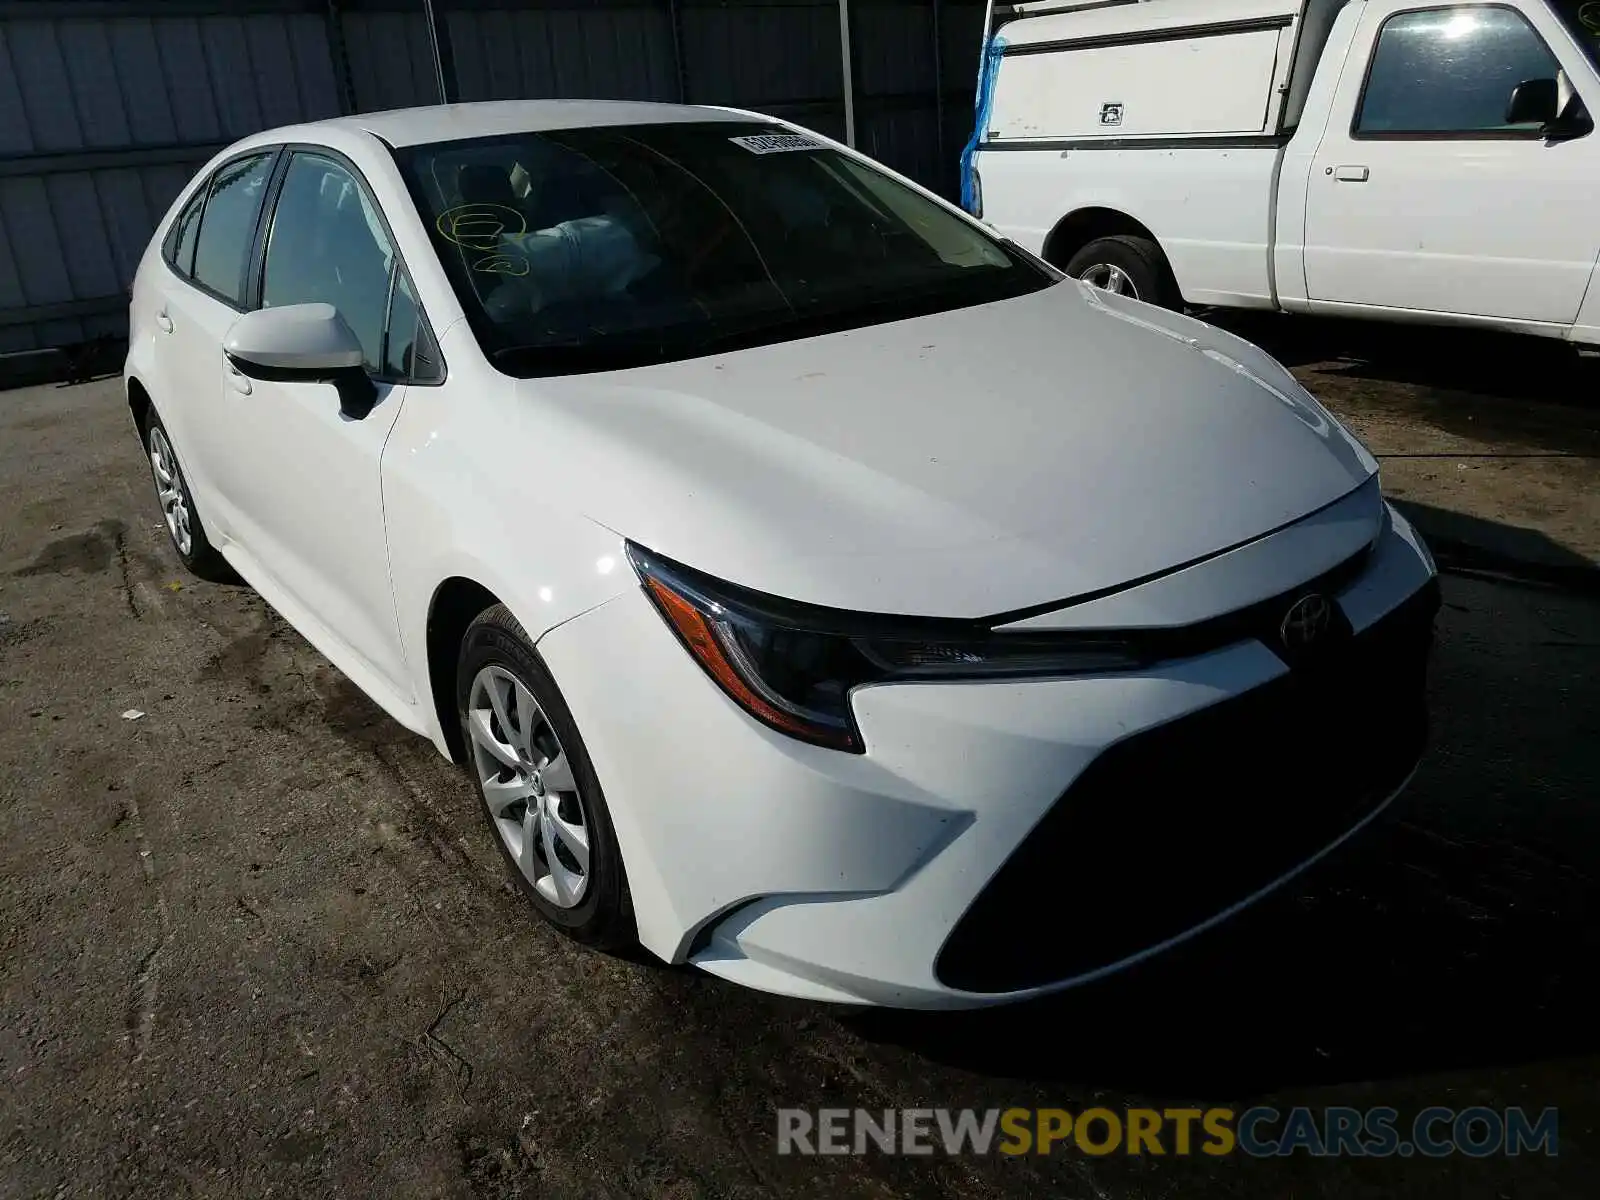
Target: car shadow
x=1456, y=932
x=1516, y=396
x=1464, y=543
x=65, y=366
x=1482, y=362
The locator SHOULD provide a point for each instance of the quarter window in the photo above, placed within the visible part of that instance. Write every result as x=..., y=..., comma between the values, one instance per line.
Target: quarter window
x=228, y=226
x=180, y=242
x=1450, y=72
x=408, y=349
x=327, y=245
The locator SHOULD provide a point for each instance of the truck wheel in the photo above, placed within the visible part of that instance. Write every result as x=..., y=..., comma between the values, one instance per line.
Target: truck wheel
x=1128, y=266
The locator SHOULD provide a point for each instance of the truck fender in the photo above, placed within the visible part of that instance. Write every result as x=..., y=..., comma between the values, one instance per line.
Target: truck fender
x=1092, y=222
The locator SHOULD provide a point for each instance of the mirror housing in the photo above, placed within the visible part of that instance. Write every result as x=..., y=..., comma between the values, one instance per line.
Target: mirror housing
x=1539, y=100
x=1533, y=101
x=304, y=343
x=299, y=338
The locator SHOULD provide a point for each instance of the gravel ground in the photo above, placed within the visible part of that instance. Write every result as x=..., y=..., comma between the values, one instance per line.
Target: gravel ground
x=257, y=942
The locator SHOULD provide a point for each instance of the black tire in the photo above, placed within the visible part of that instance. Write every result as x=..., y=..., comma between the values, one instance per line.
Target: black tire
x=201, y=558
x=603, y=917
x=1139, y=259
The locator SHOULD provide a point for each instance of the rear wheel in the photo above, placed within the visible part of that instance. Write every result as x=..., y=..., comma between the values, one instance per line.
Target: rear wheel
x=539, y=792
x=1128, y=266
x=184, y=527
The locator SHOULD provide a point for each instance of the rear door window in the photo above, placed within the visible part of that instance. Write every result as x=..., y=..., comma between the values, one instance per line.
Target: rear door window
x=228, y=226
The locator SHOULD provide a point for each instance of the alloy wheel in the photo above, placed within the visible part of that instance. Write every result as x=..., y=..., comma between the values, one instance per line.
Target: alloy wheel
x=528, y=784
x=1109, y=277
x=169, y=488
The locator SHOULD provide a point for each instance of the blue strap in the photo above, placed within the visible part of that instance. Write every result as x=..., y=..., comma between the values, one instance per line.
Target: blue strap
x=988, y=75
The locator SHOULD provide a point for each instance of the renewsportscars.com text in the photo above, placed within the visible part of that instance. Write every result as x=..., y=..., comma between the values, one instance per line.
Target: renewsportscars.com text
x=1259, y=1132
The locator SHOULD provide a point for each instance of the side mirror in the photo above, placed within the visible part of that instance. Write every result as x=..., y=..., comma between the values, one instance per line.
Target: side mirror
x=307, y=343
x=1533, y=102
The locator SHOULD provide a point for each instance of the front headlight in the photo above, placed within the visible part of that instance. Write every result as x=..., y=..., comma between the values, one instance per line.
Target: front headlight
x=792, y=666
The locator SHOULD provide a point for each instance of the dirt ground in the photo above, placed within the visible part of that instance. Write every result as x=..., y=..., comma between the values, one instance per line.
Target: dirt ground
x=1495, y=439
x=257, y=942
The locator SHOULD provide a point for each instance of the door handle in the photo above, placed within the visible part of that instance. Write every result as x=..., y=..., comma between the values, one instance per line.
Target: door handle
x=164, y=322
x=1351, y=174
x=240, y=381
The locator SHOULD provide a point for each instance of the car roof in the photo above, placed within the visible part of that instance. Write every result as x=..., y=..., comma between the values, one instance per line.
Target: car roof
x=454, y=122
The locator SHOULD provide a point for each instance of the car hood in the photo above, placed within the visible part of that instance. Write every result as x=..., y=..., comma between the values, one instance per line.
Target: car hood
x=968, y=463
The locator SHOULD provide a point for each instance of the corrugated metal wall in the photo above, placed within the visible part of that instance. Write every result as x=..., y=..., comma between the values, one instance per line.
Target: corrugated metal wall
x=104, y=113
x=108, y=106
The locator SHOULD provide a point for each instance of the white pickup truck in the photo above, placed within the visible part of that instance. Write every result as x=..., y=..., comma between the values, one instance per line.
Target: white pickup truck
x=1393, y=159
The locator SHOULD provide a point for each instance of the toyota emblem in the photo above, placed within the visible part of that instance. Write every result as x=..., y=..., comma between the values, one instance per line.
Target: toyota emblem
x=1306, y=622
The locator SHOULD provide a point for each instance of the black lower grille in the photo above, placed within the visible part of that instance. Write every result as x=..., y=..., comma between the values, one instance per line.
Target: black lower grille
x=1170, y=827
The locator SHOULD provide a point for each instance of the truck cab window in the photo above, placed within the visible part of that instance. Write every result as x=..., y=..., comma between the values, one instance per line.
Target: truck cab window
x=1450, y=72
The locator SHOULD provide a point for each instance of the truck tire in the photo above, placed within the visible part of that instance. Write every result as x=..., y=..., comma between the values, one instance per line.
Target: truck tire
x=1128, y=266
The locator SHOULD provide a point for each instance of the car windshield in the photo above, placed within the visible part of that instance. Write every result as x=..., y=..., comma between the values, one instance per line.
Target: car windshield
x=1583, y=18
x=599, y=248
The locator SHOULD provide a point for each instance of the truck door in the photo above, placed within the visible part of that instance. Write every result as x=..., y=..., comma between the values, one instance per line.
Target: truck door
x=1424, y=195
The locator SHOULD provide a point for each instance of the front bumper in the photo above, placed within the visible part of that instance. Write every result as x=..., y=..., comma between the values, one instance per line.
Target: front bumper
x=957, y=862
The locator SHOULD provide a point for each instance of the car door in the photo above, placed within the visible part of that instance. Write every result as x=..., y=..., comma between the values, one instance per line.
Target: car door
x=202, y=294
x=1422, y=196
x=306, y=475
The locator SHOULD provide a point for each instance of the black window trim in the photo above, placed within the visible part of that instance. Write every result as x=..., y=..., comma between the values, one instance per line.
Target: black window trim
x=1146, y=37
x=1443, y=135
x=258, y=258
x=1181, y=141
x=204, y=190
x=395, y=271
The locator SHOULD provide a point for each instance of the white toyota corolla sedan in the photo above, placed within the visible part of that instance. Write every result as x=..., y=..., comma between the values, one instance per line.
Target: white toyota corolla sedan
x=819, y=589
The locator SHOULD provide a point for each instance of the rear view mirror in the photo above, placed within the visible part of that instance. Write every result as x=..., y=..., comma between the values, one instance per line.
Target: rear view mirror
x=307, y=343
x=1533, y=102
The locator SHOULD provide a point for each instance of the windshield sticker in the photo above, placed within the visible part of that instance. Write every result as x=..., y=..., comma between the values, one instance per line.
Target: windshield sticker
x=777, y=143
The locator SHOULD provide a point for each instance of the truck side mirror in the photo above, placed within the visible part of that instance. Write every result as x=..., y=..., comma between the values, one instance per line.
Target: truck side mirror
x=1533, y=102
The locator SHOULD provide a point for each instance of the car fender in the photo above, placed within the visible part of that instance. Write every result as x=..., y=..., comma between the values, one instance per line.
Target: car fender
x=454, y=501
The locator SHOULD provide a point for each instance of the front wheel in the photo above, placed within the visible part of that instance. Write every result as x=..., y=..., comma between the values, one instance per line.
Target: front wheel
x=1127, y=266
x=539, y=792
